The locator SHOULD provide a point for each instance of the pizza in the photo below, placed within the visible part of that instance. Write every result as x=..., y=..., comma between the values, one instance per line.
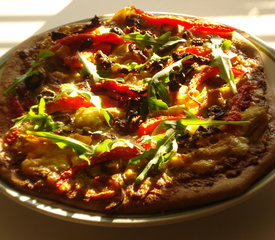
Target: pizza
x=136, y=113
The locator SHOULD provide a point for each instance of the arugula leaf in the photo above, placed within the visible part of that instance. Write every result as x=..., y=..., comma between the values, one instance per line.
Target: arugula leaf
x=157, y=87
x=167, y=143
x=154, y=57
x=144, y=40
x=42, y=55
x=222, y=61
x=81, y=149
x=91, y=69
x=71, y=90
x=41, y=121
x=166, y=147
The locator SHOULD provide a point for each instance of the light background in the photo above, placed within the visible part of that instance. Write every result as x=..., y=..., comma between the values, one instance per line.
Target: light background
x=253, y=219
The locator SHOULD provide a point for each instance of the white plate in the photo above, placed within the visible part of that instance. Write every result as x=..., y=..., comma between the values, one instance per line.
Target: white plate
x=65, y=212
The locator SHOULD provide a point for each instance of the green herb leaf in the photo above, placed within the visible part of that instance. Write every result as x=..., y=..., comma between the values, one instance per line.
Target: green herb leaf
x=41, y=121
x=222, y=61
x=144, y=40
x=89, y=68
x=158, y=156
x=157, y=87
x=42, y=55
x=154, y=57
x=80, y=148
x=166, y=143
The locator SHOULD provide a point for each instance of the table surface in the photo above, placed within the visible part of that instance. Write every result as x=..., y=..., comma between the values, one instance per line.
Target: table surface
x=252, y=219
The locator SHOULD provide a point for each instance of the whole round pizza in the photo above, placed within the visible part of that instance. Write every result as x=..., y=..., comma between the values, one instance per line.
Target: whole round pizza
x=137, y=113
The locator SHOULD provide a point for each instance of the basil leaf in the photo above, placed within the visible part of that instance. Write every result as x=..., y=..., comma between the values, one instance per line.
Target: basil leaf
x=42, y=55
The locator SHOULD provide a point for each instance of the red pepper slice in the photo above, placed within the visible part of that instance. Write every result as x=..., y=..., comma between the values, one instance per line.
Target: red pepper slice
x=117, y=90
x=120, y=152
x=75, y=40
x=200, y=77
x=68, y=103
x=198, y=51
x=213, y=29
x=73, y=61
x=12, y=136
x=237, y=71
x=200, y=28
x=240, y=102
x=150, y=125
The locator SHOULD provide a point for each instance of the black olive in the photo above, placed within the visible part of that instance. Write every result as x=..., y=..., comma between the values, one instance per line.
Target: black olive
x=86, y=44
x=197, y=42
x=117, y=30
x=102, y=60
x=34, y=81
x=57, y=35
x=133, y=20
x=215, y=111
x=47, y=94
x=95, y=22
x=157, y=66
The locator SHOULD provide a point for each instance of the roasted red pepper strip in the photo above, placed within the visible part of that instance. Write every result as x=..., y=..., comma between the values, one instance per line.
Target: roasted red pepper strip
x=238, y=71
x=12, y=136
x=77, y=39
x=198, y=51
x=240, y=102
x=200, y=77
x=200, y=28
x=212, y=29
x=150, y=125
x=68, y=103
x=117, y=90
x=120, y=152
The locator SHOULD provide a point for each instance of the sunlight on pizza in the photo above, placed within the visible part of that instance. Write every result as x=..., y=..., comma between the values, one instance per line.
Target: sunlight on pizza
x=136, y=113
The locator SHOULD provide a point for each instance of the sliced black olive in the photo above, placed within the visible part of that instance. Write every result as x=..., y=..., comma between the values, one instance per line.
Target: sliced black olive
x=47, y=94
x=134, y=20
x=215, y=111
x=34, y=81
x=117, y=30
x=102, y=60
x=197, y=42
x=86, y=44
